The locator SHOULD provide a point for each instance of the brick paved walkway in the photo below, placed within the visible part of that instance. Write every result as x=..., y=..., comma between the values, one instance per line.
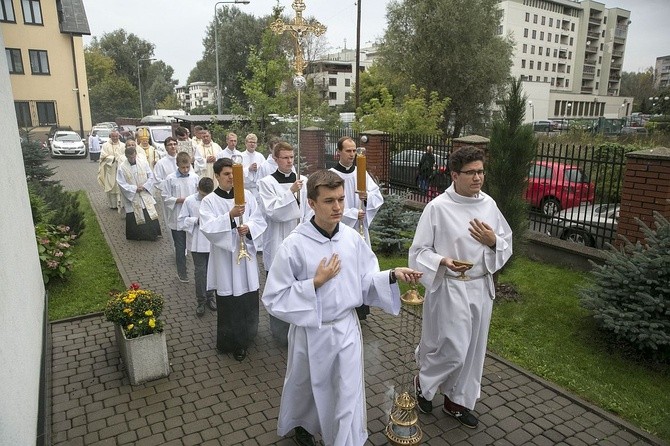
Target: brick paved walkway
x=211, y=399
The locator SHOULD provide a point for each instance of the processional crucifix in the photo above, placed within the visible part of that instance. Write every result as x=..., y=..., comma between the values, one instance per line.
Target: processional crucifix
x=299, y=29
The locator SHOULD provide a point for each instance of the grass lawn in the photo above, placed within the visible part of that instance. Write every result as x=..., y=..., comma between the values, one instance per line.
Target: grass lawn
x=549, y=334
x=94, y=276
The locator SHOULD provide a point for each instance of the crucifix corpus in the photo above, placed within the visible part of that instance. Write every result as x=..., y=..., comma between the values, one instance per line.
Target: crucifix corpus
x=299, y=29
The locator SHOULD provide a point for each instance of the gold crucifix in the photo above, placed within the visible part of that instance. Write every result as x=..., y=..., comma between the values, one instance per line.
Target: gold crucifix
x=299, y=29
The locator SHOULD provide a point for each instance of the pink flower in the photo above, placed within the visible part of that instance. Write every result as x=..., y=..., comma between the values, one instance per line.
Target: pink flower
x=58, y=253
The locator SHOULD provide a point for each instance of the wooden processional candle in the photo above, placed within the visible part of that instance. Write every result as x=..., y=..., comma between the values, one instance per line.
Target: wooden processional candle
x=361, y=168
x=238, y=183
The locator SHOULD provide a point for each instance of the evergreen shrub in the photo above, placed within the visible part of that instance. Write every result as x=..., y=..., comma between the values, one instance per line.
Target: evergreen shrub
x=630, y=295
x=392, y=229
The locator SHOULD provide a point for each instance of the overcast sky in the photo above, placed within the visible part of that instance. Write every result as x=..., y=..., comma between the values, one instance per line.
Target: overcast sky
x=178, y=28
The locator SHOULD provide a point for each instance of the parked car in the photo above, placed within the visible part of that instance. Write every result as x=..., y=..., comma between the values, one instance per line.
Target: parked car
x=66, y=143
x=103, y=133
x=589, y=225
x=404, y=167
x=554, y=186
x=640, y=131
x=543, y=126
x=109, y=125
x=157, y=136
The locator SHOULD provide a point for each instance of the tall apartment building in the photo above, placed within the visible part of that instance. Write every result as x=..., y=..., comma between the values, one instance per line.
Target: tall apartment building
x=334, y=74
x=196, y=94
x=570, y=55
x=662, y=72
x=45, y=58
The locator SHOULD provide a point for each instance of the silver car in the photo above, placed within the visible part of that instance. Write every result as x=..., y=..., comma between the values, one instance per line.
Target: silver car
x=589, y=224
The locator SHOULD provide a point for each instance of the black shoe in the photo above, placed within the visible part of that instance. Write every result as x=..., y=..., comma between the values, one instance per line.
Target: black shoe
x=304, y=438
x=464, y=416
x=200, y=311
x=425, y=406
x=211, y=303
x=240, y=354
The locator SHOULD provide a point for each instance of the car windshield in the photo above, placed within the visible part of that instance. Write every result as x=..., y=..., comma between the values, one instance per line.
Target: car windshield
x=575, y=176
x=159, y=135
x=103, y=133
x=68, y=138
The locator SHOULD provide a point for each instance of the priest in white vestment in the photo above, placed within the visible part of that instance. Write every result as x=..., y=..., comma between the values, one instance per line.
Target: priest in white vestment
x=360, y=207
x=111, y=155
x=252, y=161
x=236, y=284
x=136, y=182
x=322, y=271
x=205, y=157
x=284, y=203
x=462, y=224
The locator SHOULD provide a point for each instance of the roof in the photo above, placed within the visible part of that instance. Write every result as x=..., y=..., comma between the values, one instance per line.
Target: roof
x=206, y=119
x=72, y=17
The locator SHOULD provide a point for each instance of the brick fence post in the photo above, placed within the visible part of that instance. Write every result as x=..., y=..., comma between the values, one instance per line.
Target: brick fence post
x=378, y=154
x=472, y=140
x=312, y=143
x=646, y=188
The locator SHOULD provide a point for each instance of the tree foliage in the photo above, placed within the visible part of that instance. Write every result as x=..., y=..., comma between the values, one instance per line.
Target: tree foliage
x=511, y=151
x=640, y=86
x=630, y=295
x=112, y=98
x=451, y=47
x=419, y=113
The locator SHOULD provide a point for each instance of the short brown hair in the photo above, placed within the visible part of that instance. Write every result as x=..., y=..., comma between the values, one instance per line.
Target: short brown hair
x=340, y=142
x=183, y=158
x=281, y=146
x=322, y=178
x=463, y=156
x=221, y=163
x=206, y=184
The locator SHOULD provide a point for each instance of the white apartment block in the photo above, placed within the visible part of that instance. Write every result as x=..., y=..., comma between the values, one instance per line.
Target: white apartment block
x=574, y=49
x=662, y=72
x=196, y=94
x=334, y=74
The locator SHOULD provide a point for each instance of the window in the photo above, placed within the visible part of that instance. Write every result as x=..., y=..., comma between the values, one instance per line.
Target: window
x=552, y=82
x=46, y=113
x=546, y=79
x=332, y=81
x=347, y=82
x=531, y=64
x=7, y=11
x=14, y=60
x=539, y=51
x=553, y=67
x=528, y=17
x=32, y=14
x=23, y=114
x=534, y=18
x=523, y=63
x=332, y=96
x=548, y=37
x=551, y=21
x=571, y=41
x=39, y=62
x=525, y=32
x=572, y=27
x=567, y=83
x=555, y=38
x=555, y=52
x=525, y=48
x=568, y=69
x=532, y=49
x=537, y=78
x=546, y=67
x=534, y=34
x=541, y=35
x=543, y=20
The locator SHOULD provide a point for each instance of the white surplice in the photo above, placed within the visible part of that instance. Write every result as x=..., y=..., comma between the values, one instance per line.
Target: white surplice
x=456, y=313
x=268, y=167
x=223, y=273
x=202, y=167
x=281, y=211
x=172, y=188
x=188, y=221
x=251, y=178
x=324, y=390
x=352, y=203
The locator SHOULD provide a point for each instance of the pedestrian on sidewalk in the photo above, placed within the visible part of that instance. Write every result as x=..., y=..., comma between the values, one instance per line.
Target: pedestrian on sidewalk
x=197, y=244
x=94, y=146
x=457, y=313
x=322, y=272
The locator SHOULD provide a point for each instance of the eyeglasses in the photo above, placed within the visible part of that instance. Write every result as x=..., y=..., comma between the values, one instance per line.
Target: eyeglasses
x=472, y=173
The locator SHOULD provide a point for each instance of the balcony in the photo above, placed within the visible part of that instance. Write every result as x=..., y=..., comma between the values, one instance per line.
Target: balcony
x=615, y=66
x=595, y=20
x=590, y=62
x=617, y=53
x=591, y=48
x=586, y=90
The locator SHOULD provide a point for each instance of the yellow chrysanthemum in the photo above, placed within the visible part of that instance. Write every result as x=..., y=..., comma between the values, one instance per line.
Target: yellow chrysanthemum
x=152, y=323
x=127, y=310
x=130, y=326
x=148, y=313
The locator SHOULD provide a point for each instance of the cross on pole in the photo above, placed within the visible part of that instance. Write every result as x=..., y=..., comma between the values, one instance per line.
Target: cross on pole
x=298, y=29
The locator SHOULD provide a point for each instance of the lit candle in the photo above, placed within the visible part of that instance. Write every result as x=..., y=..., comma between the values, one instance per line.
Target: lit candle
x=361, y=168
x=238, y=180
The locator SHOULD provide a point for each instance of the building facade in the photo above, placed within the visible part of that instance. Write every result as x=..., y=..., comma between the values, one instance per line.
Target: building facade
x=334, y=74
x=575, y=49
x=196, y=94
x=45, y=58
x=662, y=72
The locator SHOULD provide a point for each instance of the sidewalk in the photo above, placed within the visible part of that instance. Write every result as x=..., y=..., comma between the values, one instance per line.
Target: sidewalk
x=211, y=399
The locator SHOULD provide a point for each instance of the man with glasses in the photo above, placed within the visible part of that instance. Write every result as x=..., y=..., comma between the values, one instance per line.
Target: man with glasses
x=460, y=230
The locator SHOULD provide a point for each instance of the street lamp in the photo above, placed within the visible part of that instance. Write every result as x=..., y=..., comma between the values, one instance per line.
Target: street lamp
x=216, y=48
x=139, y=83
x=532, y=110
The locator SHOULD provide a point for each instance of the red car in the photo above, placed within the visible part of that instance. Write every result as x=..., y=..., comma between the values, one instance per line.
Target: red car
x=553, y=187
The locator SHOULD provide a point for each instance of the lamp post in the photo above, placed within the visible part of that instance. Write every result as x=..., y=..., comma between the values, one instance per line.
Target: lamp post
x=532, y=110
x=139, y=83
x=216, y=48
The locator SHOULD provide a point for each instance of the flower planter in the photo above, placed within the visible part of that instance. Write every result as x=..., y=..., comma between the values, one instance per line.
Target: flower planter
x=145, y=357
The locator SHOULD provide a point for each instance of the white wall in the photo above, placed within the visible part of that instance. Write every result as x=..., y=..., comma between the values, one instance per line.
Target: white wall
x=21, y=287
